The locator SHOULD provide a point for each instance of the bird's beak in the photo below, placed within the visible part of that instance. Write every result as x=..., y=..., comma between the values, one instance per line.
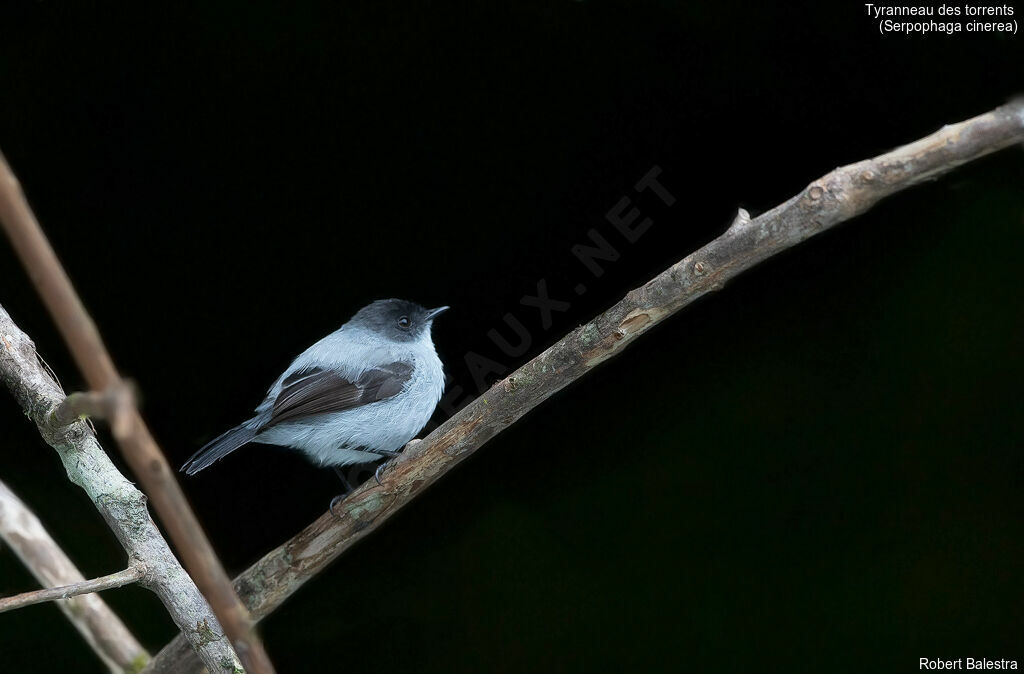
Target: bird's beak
x=433, y=313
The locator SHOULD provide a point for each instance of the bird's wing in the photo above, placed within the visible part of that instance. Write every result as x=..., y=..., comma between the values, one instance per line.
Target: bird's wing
x=318, y=390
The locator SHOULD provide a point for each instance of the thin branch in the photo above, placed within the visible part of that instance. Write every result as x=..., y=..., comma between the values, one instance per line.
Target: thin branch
x=122, y=506
x=132, y=574
x=90, y=615
x=836, y=197
x=112, y=404
x=130, y=431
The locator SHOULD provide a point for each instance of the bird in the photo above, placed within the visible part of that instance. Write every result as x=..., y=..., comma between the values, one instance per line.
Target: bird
x=357, y=396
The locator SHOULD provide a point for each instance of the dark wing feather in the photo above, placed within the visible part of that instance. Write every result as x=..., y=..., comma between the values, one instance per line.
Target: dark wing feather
x=319, y=391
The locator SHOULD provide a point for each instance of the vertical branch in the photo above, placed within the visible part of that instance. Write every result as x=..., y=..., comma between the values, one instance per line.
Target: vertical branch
x=89, y=614
x=130, y=431
x=122, y=506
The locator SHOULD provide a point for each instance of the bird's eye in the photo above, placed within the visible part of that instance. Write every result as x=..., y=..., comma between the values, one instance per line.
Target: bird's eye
x=403, y=322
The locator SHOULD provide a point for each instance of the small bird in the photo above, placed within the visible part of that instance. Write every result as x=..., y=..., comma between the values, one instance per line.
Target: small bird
x=356, y=396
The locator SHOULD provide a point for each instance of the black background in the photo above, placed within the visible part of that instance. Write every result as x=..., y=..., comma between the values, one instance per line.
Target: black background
x=817, y=469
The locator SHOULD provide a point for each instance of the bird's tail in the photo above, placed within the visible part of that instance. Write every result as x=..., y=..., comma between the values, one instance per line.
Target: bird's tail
x=221, y=446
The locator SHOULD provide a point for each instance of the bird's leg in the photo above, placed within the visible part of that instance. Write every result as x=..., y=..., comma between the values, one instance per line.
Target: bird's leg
x=384, y=465
x=344, y=480
x=348, y=489
x=388, y=455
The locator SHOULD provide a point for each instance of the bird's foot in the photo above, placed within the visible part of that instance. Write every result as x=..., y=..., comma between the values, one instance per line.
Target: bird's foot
x=348, y=489
x=335, y=501
x=384, y=467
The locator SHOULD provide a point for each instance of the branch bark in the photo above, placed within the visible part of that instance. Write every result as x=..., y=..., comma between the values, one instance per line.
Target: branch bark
x=90, y=615
x=130, y=431
x=835, y=197
x=118, y=501
x=112, y=405
x=133, y=574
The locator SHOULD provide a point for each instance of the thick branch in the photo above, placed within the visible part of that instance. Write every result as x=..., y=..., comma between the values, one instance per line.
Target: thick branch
x=118, y=501
x=90, y=615
x=130, y=431
x=132, y=574
x=833, y=198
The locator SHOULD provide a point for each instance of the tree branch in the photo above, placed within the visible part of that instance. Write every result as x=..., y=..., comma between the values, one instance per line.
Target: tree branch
x=833, y=198
x=90, y=615
x=133, y=574
x=130, y=431
x=118, y=501
x=112, y=404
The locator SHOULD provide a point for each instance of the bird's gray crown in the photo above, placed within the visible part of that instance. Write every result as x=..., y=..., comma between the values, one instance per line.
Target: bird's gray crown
x=399, y=320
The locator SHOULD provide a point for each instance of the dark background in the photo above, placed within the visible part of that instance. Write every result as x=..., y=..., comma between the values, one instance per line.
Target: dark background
x=817, y=469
